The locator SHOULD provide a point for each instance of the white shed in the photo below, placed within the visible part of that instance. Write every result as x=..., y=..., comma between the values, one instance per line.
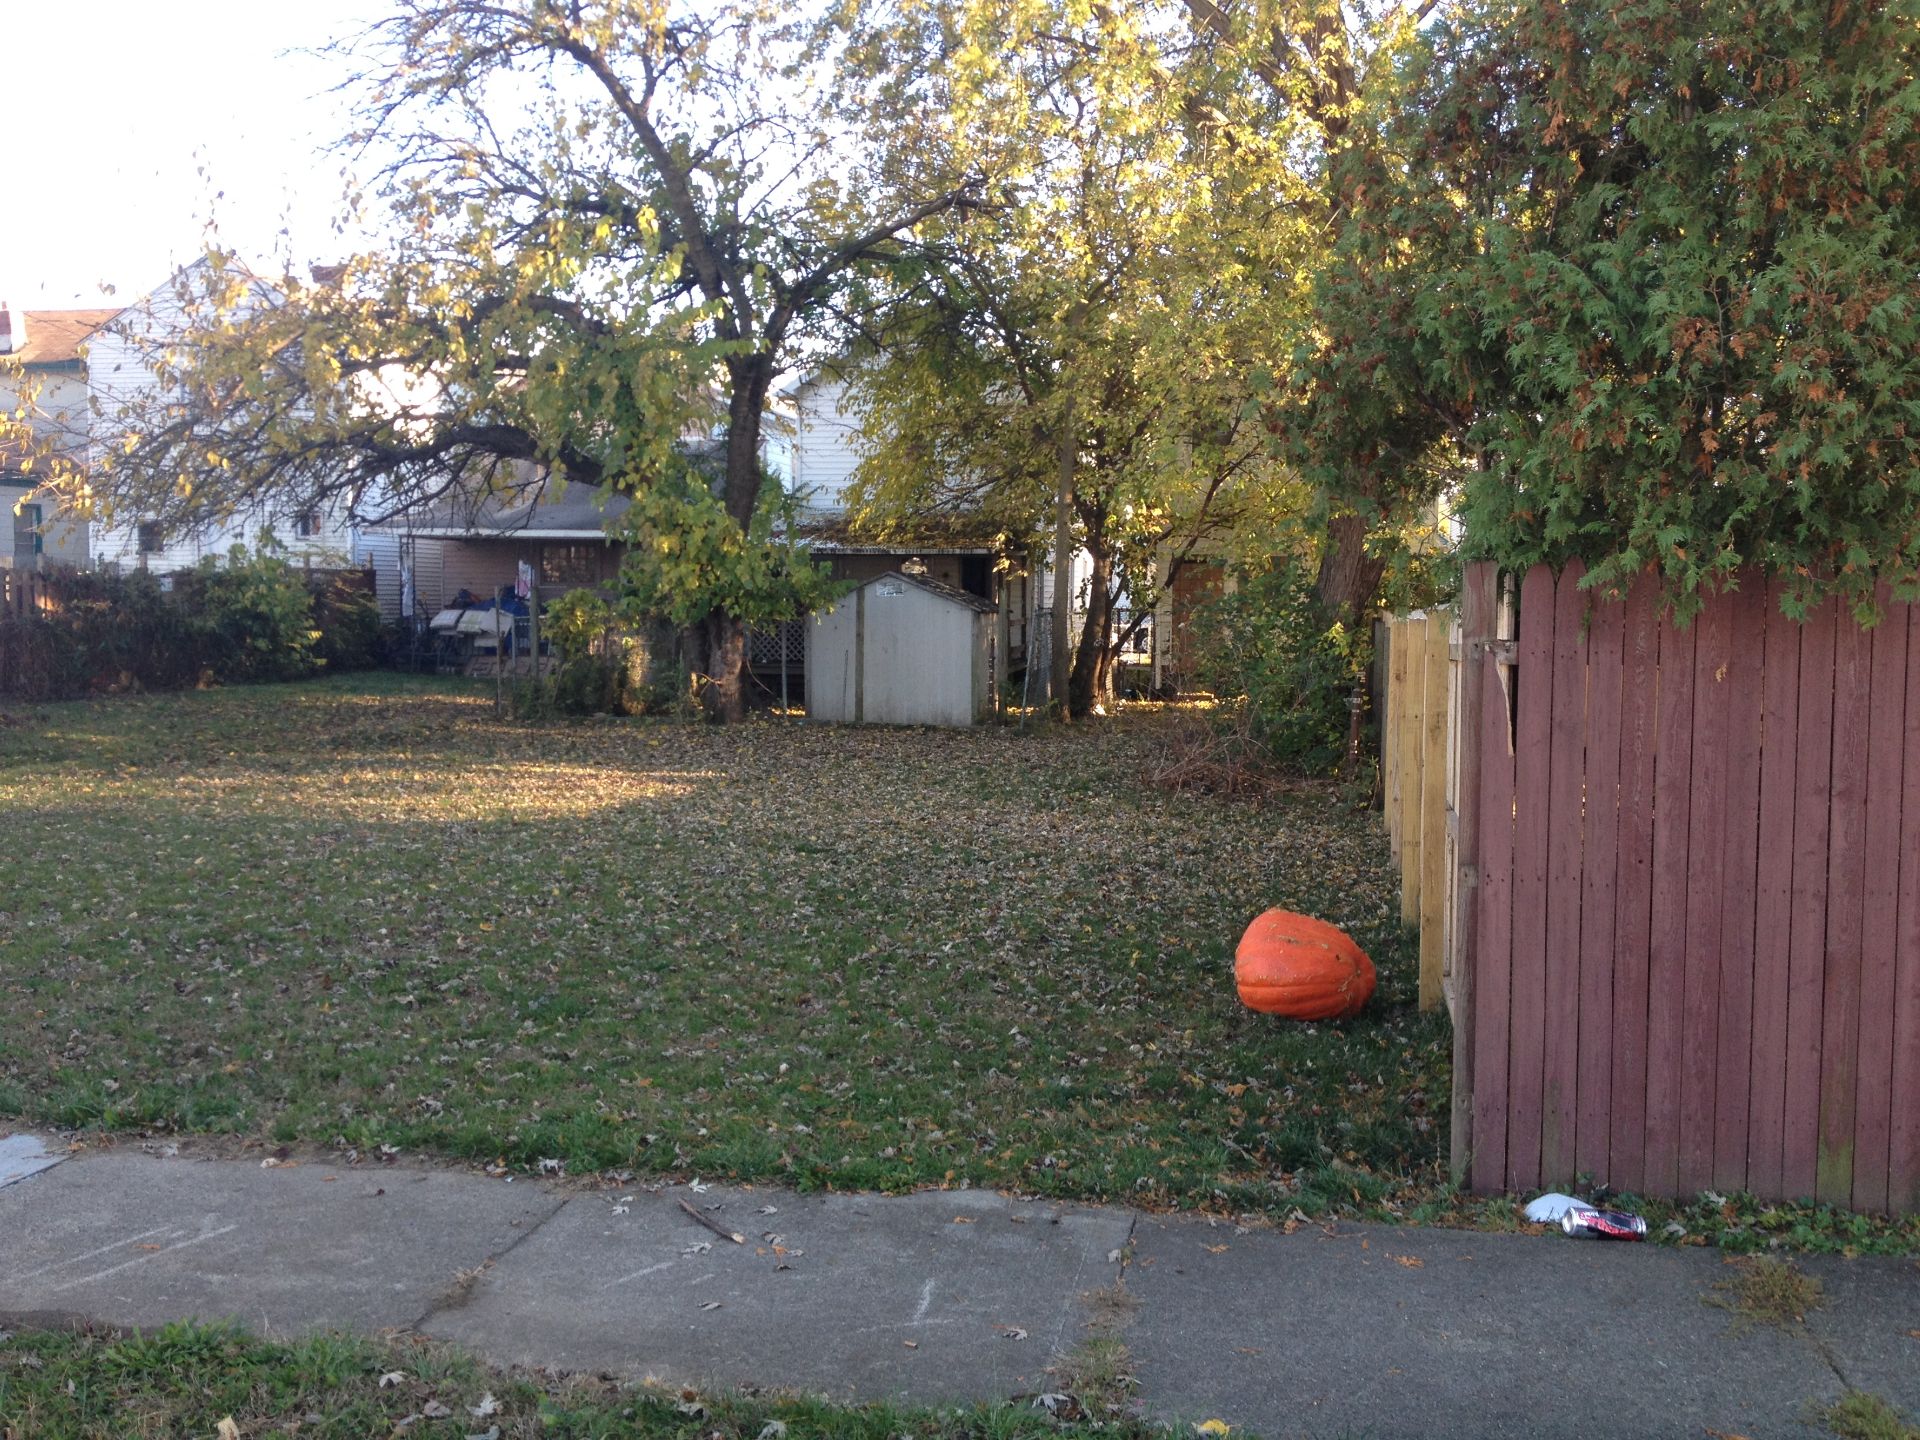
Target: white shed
x=902, y=650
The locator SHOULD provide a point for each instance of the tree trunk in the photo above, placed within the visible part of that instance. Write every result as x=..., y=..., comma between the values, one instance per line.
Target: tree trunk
x=1089, y=661
x=1061, y=640
x=724, y=696
x=1349, y=578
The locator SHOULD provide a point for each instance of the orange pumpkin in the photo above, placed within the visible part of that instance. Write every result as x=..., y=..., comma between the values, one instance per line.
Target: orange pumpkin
x=1302, y=968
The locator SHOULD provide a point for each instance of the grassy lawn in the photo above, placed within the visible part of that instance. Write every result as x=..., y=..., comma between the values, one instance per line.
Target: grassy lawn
x=364, y=912
x=183, y=1380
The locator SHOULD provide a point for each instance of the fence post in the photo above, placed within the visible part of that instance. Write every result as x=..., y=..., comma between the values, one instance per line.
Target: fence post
x=1478, y=604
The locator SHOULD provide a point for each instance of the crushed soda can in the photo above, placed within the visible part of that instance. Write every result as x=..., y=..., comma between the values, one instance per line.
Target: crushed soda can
x=1603, y=1224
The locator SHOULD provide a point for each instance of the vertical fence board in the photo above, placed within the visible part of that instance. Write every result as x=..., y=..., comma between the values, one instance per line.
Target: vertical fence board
x=1880, y=907
x=1412, y=722
x=1773, y=900
x=1667, y=954
x=1566, y=780
x=1390, y=731
x=1606, y=660
x=1699, y=995
x=1739, y=860
x=1477, y=597
x=1903, y=1178
x=1640, y=679
x=1806, y=982
x=1493, y=951
x=1526, y=1072
x=1433, y=805
x=1846, y=880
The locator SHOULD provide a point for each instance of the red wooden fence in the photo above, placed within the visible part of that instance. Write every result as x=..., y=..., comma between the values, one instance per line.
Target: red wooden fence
x=1692, y=956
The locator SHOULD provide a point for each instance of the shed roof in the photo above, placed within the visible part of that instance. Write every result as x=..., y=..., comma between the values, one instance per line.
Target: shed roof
x=934, y=587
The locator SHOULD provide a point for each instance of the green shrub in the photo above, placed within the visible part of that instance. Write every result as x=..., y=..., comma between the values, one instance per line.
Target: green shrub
x=254, y=617
x=602, y=668
x=577, y=623
x=352, y=636
x=1270, y=645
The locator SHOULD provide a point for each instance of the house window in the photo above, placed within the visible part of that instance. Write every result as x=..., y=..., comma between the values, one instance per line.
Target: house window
x=306, y=524
x=572, y=564
x=151, y=537
x=27, y=539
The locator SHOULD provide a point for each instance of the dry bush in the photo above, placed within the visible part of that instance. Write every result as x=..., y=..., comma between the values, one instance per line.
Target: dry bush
x=1216, y=756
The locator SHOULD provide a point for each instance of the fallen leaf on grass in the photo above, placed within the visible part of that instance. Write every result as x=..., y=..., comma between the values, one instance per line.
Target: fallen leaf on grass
x=487, y=1406
x=434, y=1410
x=226, y=1430
x=392, y=1378
x=1213, y=1427
x=773, y=1430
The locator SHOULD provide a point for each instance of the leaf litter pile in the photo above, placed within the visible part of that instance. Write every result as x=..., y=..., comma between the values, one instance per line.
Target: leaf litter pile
x=365, y=913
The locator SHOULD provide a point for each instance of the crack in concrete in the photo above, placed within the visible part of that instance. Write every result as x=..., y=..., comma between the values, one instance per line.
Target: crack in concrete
x=1126, y=1248
x=461, y=1291
x=1825, y=1352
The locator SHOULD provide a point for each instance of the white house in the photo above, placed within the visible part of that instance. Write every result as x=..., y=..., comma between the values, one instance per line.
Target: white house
x=43, y=363
x=121, y=379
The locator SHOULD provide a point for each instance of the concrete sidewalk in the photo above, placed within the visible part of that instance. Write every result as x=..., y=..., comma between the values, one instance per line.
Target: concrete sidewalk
x=1345, y=1330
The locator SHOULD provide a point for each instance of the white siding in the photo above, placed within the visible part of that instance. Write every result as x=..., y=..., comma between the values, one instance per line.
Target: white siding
x=922, y=659
x=117, y=376
x=385, y=551
x=826, y=444
x=379, y=551
x=59, y=418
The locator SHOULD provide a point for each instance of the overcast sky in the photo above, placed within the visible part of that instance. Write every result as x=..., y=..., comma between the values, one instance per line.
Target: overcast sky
x=113, y=107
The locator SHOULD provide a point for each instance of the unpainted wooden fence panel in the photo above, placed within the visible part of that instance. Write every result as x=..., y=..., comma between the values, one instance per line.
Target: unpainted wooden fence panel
x=1411, y=737
x=1390, y=730
x=1433, y=805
